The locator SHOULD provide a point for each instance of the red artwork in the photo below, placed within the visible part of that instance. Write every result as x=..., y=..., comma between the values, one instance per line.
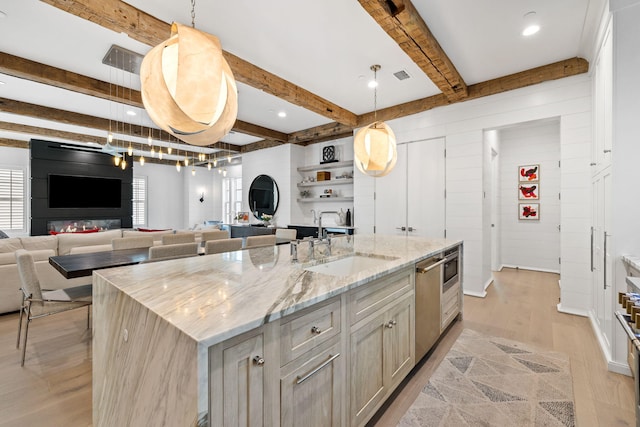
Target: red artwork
x=529, y=211
x=529, y=173
x=528, y=192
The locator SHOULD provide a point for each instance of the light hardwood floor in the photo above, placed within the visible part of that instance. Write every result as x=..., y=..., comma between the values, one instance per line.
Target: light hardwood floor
x=521, y=305
x=54, y=387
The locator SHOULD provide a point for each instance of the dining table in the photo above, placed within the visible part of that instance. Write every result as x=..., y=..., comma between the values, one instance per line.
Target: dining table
x=82, y=265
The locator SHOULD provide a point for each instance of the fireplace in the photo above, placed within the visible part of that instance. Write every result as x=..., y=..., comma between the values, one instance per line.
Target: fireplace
x=83, y=225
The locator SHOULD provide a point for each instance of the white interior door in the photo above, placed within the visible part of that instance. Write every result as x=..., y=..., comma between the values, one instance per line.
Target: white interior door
x=391, y=198
x=602, y=266
x=426, y=187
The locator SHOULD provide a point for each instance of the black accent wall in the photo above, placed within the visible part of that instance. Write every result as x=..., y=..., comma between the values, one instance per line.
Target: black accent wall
x=64, y=159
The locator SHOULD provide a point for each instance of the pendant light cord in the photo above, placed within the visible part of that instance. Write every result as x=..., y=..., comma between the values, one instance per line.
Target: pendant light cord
x=375, y=95
x=193, y=13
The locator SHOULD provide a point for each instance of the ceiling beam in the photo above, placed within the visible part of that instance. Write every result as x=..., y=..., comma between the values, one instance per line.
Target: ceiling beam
x=77, y=119
x=321, y=133
x=121, y=17
x=46, y=74
x=557, y=70
x=7, y=142
x=403, y=23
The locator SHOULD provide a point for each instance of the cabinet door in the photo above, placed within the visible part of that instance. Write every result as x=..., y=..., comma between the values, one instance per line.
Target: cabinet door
x=237, y=382
x=425, y=188
x=311, y=389
x=391, y=198
x=367, y=368
x=399, y=342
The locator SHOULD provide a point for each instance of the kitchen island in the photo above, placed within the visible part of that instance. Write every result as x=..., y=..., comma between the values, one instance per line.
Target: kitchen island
x=216, y=339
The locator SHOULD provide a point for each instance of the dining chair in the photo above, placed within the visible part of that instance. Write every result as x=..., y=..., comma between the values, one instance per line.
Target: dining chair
x=214, y=235
x=223, y=245
x=286, y=233
x=174, y=239
x=120, y=243
x=163, y=252
x=38, y=302
x=260, y=241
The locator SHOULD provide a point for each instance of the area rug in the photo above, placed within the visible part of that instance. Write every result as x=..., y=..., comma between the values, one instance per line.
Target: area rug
x=489, y=381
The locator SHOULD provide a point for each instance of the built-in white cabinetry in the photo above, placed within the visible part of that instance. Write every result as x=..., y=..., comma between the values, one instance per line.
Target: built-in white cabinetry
x=601, y=190
x=411, y=199
x=342, y=188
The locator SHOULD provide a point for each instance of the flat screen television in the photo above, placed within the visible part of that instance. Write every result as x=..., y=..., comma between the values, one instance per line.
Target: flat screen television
x=71, y=191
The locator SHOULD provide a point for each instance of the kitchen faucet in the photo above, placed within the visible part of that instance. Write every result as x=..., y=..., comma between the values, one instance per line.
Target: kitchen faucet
x=313, y=211
x=320, y=221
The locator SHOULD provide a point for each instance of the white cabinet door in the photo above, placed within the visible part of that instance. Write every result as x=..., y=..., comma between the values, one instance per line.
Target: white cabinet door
x=391, y=198
x=426, y=185
x=410, y=200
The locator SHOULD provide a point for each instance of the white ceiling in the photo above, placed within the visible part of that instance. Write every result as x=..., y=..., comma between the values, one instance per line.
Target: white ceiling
x=325, y=47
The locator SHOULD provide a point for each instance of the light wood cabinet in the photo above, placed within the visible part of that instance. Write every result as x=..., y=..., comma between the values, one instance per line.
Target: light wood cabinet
x=311, y=388
x=382, y=354
x=243, y=373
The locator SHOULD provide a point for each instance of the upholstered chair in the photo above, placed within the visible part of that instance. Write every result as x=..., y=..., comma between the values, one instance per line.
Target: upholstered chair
x=38, y=302
x=131, y=242
x=223, y=245
x=214, y=235
x=260, y=241
x=179, y=250
x=174, y=239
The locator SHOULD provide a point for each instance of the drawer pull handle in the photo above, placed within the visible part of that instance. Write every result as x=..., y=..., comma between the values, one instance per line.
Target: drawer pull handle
x=391, y=324
x=259, y=361
x=303, y=378
x=316, y=330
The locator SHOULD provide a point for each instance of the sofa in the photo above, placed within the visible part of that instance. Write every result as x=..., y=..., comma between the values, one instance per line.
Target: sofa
x=42, y=247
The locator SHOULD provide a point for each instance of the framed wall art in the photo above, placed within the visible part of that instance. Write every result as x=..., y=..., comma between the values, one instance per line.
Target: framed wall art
x=529, y=191
x=529, y=211
x=529, y=173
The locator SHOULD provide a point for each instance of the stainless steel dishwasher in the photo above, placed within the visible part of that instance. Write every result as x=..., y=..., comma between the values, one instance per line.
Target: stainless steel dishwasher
x=428, y=290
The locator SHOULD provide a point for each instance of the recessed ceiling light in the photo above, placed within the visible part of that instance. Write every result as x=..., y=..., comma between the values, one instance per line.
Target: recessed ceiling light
x=1, y=82
x=2, y=14
x=131, y=113
x=531, y=25
x=282, y=114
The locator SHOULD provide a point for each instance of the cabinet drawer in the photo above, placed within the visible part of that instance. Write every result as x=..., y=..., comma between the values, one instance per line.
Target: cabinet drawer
x=449, y=313
x=371, y=297
x=452, y=294
x=302, y=331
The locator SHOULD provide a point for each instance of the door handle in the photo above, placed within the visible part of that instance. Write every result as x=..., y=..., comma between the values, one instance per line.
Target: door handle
x=605, y=260
x=303, y=378
x=412, y=229
x=401, y=228
x=431, y=267
x=591, y=249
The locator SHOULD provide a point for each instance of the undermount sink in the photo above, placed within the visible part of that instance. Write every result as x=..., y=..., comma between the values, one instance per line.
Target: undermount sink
x=349, y=265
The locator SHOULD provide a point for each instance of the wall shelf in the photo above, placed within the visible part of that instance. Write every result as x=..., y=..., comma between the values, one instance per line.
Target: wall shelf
x=326, y=199
x=329, y=182
x=335, y=165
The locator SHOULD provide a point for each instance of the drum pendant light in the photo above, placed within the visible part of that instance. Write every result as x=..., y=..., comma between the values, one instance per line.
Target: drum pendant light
x=374, y=146
x=187, y=86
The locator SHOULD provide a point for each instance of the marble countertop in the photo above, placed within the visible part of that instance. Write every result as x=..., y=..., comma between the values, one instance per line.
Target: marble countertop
x=632, y=261
x=215, y=297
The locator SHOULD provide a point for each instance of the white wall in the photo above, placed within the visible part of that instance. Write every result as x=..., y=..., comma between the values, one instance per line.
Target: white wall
x=165, y=196
x=275, y=162
x=528, y=244
x=463, y=126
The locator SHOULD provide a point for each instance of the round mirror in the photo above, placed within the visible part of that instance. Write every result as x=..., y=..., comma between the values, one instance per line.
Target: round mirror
x=263, y=196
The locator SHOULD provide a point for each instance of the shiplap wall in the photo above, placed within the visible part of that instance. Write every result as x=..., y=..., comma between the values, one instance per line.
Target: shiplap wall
x=530, y=244
x=463, y=125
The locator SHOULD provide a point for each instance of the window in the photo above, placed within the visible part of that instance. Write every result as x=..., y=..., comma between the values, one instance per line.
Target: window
x=12, y=200
x=139, y=201
x=231, y=198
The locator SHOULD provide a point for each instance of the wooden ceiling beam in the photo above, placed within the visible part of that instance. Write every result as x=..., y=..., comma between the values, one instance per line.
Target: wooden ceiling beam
x=45, y=74
x=121, y=17
x=557, y=70
x=14, y=143
x=403, y=23
x=77, y=119
x=320, y=133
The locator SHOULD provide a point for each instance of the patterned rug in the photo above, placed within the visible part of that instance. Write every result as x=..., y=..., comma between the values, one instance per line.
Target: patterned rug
x=488, y=381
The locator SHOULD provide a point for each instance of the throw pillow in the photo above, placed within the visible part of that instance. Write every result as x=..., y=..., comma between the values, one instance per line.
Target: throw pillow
x=3, y=235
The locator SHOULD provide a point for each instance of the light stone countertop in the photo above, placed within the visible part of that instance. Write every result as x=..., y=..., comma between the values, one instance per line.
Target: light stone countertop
x=632, y=261
x=215, y=297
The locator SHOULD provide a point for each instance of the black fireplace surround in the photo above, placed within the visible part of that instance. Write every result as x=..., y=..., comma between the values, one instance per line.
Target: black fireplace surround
x=102, y=194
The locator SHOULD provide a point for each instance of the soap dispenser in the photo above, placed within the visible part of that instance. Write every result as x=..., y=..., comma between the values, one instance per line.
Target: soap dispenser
x=348, y=218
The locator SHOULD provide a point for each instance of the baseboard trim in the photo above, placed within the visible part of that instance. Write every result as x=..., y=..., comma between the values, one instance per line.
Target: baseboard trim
x=486, y=285
x=524, y=267
x=619, y=368
x=611, y=365
x=575, y=311
x=475, y=294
